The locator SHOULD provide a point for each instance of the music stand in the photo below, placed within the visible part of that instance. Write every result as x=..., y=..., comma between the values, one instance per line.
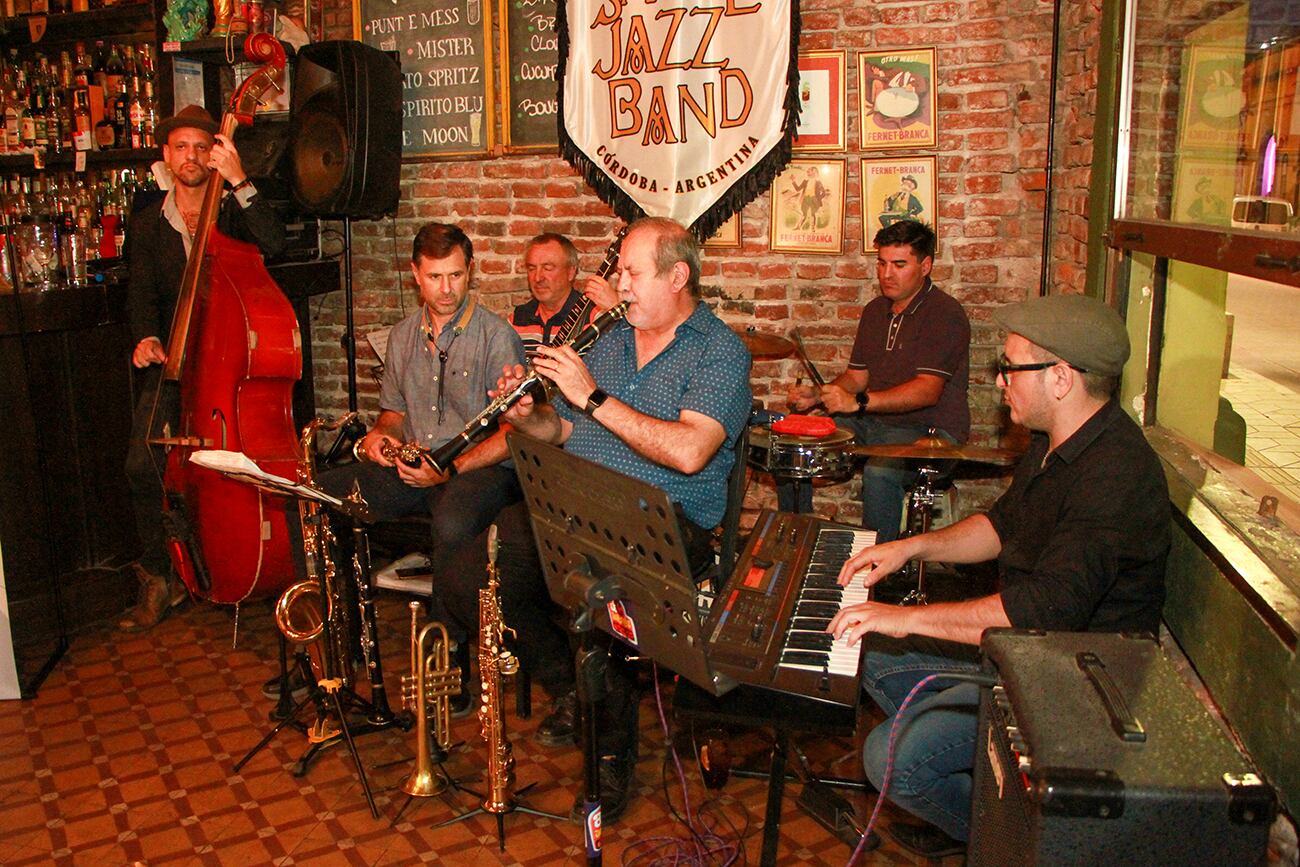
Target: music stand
x=238, y=466
x=611, y=548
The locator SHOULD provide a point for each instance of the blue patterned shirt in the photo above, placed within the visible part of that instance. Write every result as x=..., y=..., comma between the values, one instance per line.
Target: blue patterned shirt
x=705, y=369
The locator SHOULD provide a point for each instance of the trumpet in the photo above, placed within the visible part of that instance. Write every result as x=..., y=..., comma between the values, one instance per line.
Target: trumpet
x=426, y=692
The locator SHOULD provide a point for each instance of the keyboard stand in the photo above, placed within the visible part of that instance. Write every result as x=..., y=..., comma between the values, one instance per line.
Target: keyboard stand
x=786, y=715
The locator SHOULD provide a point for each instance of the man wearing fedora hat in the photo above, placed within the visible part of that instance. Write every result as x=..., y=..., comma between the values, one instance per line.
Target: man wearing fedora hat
x=160, y=236
x=1080, y=539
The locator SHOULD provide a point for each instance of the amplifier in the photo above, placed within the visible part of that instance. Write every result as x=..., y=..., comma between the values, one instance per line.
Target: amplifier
x=1093, y=751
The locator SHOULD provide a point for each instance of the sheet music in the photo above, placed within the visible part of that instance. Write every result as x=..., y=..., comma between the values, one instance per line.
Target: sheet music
x=239, y=466
x=378, y=340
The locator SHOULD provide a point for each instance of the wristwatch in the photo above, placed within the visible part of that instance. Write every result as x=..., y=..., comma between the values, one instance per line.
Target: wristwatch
x=595, y=401
x=863, y=399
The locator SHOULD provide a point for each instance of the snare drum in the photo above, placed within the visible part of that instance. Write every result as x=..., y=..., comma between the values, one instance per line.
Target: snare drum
x=797, y=457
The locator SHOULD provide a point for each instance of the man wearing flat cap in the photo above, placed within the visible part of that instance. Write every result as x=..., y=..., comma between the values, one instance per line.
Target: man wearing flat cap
x=1080, y=539
x=159, y=238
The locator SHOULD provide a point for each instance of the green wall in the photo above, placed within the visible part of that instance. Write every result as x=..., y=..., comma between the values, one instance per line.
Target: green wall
x=1252, y=675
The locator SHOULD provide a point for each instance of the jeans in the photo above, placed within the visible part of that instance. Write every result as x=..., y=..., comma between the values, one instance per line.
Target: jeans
x=934, y=756
x=884, y=480
x=459, y=509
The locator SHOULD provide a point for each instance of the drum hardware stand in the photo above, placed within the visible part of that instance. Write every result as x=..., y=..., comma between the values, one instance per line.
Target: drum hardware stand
x=920, y=505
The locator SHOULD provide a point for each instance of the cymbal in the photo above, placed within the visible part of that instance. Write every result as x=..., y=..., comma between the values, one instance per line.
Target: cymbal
x=765, y=347
x=935, y=449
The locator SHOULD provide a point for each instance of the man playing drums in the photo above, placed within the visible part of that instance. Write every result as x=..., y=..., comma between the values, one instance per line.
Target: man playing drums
x=908, y=373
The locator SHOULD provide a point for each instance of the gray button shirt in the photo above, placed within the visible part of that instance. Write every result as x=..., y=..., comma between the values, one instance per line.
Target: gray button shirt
x=478, y=344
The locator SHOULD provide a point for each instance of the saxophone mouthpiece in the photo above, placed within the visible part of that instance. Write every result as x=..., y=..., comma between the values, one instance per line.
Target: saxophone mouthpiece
x=492, y=545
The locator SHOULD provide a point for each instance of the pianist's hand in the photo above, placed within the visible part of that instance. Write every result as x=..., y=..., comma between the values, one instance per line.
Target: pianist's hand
x=858, y=620
x=878, y=560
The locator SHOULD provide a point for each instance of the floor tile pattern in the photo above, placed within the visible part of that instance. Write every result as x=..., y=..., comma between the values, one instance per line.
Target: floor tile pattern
x=1272, y=415
x=126, y=757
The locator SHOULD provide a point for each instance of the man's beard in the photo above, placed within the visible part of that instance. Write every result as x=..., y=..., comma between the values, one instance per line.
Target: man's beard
x=196, y=180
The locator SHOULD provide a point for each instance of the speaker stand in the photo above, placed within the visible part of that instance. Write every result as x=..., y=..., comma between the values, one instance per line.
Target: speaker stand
x=349, y=325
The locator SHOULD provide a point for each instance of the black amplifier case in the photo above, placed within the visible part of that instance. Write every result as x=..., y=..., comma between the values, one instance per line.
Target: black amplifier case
x=1092, y=751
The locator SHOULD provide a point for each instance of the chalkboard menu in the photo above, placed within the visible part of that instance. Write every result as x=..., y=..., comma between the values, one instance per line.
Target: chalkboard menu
x=445, y=48
x=529, y=54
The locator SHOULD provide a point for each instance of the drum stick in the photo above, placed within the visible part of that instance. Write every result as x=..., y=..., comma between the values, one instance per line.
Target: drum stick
x=807, y=363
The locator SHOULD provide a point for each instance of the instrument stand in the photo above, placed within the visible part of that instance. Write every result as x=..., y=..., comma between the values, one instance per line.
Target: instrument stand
x=284, y=709
x=329, y=692
x=511, y=806
x=439, y=758
x=920, y=505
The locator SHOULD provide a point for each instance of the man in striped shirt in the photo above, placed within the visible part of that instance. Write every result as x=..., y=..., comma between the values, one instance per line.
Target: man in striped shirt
x=551, y=263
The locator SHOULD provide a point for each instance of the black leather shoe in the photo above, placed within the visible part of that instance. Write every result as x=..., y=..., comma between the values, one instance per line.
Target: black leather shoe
x=616, y=773
x=298, y=687
x=560, y=728
x=926, y=841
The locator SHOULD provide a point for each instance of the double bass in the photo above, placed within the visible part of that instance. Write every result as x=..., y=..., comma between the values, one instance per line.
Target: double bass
x=235, y=352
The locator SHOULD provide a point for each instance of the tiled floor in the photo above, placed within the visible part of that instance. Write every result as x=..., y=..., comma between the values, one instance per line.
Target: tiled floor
x=126, y=754
x=1272, y=415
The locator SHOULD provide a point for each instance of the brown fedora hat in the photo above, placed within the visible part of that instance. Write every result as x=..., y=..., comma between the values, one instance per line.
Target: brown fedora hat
x=195, y=116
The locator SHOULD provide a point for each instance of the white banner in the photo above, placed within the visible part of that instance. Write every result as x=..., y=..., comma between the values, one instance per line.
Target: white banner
x=670, y=105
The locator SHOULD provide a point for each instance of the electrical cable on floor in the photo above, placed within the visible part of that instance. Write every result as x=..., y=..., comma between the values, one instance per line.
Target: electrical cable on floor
x=705, y=847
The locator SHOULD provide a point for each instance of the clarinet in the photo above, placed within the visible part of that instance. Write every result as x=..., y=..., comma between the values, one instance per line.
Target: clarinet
x=532, y=383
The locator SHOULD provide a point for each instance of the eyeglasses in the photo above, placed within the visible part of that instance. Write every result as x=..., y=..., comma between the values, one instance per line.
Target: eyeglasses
x=1004, y=367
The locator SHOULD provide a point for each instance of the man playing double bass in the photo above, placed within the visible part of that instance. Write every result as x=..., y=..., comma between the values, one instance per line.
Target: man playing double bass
x=160, y=237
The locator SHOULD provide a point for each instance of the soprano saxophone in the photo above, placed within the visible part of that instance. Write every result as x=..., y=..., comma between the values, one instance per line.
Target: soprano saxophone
x=495, y=663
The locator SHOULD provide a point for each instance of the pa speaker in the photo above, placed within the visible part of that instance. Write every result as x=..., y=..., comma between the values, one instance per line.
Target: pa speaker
x=346, y=130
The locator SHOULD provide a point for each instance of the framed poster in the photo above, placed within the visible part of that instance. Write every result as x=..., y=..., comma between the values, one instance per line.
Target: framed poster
x=821, y=95
x=1214, y=100
x=897, y=188
x=728, y=234
x=529, y=54
x=1203, y=190
x=897, y=102
x=808, y=207
x=445, y=49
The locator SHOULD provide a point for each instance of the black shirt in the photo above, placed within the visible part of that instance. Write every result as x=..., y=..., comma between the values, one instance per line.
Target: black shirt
x=156, y=257
x=1085, y=537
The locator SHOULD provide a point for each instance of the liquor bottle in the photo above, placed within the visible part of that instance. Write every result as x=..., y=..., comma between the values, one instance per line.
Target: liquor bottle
x=13, y=122
x=122, y=116
x=114, y=69
x=26, y=123
x=150, y=115
x=99, y=66
x=137, y=115
x=81, y=66
x=54, y=123
x=81, y=112
x=36, y=105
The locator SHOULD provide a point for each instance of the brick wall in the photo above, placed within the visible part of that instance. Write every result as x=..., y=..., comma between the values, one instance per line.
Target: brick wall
x=1076, y=112
x=993, y=108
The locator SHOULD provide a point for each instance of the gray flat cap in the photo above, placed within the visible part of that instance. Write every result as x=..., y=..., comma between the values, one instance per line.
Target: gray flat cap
x=1080, y=330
